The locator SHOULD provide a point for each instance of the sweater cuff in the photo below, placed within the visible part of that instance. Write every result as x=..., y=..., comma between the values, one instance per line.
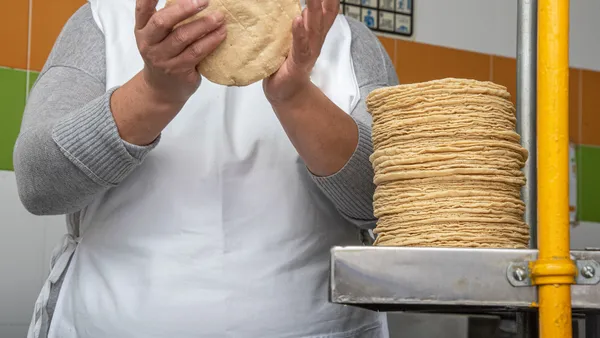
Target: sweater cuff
x=351, y=189
x=140, y=152
x=90, y=139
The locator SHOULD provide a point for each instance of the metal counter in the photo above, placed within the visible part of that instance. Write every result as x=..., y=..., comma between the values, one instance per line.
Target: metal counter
x=436, y=280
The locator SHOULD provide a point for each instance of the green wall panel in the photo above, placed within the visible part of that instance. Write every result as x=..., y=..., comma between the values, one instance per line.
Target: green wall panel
x=12, y=102
x=588, y=183
x=32, y=78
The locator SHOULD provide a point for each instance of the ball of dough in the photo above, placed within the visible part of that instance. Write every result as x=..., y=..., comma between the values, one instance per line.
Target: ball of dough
x=259, y=37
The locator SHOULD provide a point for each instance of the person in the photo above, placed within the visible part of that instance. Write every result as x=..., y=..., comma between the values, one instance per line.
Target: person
x=369, y=20
x=193, y=209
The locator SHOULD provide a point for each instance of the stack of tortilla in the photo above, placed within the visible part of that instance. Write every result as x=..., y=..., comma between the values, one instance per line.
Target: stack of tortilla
x=447, y=164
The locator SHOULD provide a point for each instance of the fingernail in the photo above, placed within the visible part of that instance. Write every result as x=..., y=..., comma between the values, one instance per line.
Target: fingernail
x=199, y=4
x=218, y=17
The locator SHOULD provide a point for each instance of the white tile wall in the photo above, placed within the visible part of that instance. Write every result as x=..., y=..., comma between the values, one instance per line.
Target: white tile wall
x=585, y=235
x=490, y=27
x=25, y=245
x=13, y=331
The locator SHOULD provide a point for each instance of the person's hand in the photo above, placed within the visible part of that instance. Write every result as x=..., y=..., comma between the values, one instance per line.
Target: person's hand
x=309, y=32
x=143, y=106
x=172, y=53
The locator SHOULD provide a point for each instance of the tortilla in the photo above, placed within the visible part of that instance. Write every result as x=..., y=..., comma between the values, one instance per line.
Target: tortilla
x=259, y=37
x=447, y=165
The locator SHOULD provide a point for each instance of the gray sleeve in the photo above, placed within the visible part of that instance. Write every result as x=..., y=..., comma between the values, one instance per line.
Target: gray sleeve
x=351, y=189
x=69, y=148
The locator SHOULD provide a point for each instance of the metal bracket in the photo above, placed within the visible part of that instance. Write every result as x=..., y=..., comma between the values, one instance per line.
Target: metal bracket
x=519, y=274
x=589, y=272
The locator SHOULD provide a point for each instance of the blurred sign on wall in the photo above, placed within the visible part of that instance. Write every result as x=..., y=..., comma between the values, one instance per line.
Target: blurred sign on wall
x=393, y=17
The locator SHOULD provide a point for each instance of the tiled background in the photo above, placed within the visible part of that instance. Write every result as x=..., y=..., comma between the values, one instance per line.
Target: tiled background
x=28, y=29
x=33, y=34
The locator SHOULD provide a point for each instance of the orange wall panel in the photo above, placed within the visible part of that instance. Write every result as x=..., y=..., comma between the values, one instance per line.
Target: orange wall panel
x=14, y=23
x=416, y=62
x=505, y=74
x=590, y=112
x=574, y=108
x=47, y=21
x=390, y=46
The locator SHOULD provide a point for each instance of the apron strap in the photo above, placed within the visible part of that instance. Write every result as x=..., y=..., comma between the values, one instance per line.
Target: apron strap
x=38, y=328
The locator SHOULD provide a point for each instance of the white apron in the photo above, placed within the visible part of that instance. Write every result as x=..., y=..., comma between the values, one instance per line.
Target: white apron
x=220, y=232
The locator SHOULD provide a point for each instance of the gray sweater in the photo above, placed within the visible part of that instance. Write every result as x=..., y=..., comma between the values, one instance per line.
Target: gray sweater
x=69, y=149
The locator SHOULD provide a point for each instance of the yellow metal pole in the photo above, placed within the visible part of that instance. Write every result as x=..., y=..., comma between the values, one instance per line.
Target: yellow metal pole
x=554, y=271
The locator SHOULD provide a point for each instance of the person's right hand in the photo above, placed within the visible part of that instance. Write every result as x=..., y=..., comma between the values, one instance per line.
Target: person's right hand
x=172, y=54
x=143, y=106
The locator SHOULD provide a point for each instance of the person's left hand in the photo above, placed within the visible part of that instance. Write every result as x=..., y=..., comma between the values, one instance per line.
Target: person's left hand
x=309, y=31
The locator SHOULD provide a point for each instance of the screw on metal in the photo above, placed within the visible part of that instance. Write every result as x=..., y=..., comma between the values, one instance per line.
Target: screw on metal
x=519, y=274
x=588, y=271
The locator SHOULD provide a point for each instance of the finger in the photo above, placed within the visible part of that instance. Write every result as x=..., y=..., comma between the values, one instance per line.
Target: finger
x=314, y=20
x=183, y=36
x=304, y=15
x=200, y=49
x=144, y=9
x=300, y=43
x=162, y=22
x=331, y=10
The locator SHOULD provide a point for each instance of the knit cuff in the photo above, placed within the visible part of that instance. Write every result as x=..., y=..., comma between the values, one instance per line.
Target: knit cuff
x=140, y=152
x=351, y=189
x=90, y=139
